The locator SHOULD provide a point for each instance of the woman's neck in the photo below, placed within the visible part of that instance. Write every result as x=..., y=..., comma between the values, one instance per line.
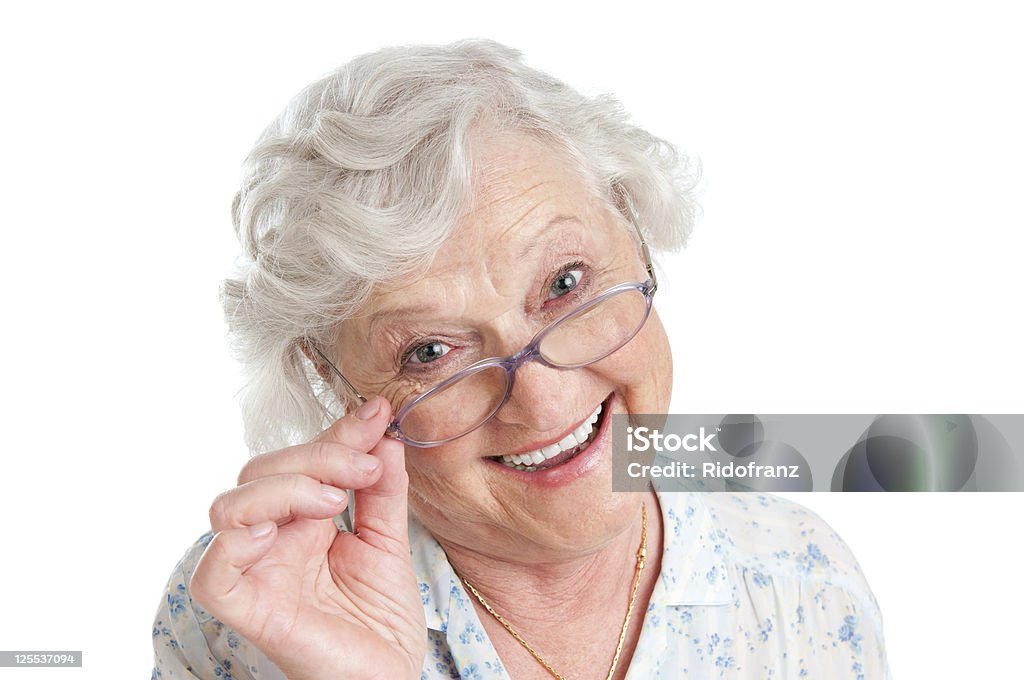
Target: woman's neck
x=569, y=608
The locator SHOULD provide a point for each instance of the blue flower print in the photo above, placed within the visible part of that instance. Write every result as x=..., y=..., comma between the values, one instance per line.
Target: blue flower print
x=848, y=633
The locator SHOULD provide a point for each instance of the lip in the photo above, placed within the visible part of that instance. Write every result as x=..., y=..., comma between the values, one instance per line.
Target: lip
x=578, y=466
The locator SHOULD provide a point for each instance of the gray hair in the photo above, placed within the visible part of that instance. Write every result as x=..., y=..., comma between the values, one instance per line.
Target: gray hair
x=360, y=180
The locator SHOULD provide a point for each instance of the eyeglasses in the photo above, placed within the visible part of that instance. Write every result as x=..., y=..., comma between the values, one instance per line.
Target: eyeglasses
x=469, y=398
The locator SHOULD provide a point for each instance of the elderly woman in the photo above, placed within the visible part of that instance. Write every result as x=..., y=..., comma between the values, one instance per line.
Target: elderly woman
x=464, y=241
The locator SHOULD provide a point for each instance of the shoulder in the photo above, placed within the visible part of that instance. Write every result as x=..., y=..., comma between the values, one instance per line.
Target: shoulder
x=782, y=538
x=792, y=583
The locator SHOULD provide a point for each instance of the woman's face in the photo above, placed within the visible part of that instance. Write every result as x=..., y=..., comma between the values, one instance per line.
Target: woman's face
x=534, y=243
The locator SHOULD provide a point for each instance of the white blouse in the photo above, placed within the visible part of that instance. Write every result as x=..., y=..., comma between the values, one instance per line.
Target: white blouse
x=751, y=586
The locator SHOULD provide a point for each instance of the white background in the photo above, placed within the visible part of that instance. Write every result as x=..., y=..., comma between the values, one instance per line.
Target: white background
x=859, y=252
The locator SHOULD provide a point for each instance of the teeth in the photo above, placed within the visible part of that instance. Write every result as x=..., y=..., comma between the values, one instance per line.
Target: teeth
x=527, y=461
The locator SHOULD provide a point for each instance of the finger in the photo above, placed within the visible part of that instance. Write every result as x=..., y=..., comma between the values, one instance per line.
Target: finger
x=218, y=582
x=381, y=515
x=328, y=461
x=361, y=429
x=279, y=499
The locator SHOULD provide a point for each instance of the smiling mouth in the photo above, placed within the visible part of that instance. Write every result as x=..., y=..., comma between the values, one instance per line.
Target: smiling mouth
x=560, y=452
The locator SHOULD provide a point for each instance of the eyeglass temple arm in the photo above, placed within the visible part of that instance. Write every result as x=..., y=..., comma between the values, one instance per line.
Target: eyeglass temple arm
x=635, y=221
x=350, y=386
x=392, y=430
x=648, y=264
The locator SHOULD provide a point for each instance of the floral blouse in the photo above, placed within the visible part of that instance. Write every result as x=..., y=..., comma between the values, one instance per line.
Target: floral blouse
x=751, y=586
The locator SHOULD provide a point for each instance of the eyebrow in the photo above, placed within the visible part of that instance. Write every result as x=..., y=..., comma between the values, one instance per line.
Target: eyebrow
x=533, y=244
x=402, y=315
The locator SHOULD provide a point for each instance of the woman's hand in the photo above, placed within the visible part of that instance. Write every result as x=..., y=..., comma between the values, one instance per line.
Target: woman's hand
x=318, y=602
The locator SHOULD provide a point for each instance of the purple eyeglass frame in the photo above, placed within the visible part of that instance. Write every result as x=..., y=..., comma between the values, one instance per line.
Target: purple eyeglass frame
x=510, y=364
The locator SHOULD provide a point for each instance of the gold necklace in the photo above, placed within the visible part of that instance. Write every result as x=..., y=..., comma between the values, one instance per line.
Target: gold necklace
x=641, y=557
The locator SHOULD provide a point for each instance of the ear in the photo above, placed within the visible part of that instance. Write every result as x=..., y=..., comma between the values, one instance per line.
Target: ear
x=322, y=369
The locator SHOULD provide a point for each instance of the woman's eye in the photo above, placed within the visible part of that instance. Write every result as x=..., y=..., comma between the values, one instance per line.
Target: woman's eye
x=565, y=282
x=431, y=351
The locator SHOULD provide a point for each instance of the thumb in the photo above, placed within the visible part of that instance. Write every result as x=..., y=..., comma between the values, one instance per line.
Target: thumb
x=381, y=513
x=219, y=582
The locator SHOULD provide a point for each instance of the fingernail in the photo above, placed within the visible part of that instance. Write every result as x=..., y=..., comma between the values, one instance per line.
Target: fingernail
x=332, y=495
x=260, y=530
x=369, y=409
x=365, y=463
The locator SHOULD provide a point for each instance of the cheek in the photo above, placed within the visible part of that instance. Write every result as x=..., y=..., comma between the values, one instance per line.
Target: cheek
x=642, y=370
x=428, y=490
x=444, y=482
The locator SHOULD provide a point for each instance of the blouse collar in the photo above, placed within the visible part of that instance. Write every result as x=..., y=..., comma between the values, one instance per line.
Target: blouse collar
x=693, y=562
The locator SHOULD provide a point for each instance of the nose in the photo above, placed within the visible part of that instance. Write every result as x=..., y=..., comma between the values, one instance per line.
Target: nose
x=539, y=398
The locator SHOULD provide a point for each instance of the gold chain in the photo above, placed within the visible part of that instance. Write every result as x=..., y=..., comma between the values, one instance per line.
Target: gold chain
x=641, y=558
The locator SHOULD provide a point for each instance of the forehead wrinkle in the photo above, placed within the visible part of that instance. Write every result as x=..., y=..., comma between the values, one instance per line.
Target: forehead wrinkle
x=464, y=292
x=493, y=202
x=475, y=259
x=437, y=296
x=514, y=230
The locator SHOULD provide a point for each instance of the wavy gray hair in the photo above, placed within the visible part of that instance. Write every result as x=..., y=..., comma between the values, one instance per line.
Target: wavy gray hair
x=360, y=180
